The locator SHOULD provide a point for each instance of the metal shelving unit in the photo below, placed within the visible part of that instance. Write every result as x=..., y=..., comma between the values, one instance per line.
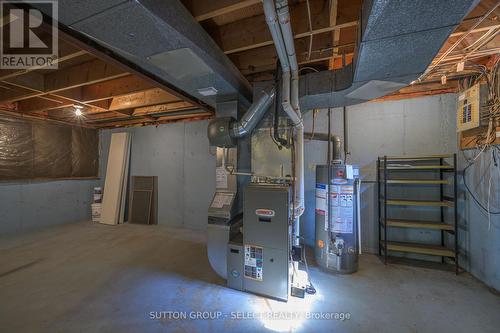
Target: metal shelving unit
x=445, y=166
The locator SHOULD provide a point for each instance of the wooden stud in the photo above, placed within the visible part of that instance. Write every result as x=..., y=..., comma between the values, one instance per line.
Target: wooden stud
x=83, y=74
x=162, y=108
x=204, y=10
x=140, y=99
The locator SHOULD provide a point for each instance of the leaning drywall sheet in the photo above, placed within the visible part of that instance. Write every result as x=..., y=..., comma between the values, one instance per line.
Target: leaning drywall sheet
x=125, y=178
x=113, y=185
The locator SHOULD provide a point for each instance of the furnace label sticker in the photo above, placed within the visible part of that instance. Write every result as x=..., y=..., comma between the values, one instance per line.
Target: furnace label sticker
x=254, y=256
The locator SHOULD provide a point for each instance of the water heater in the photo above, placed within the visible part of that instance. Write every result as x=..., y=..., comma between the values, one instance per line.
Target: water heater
x=337, y=218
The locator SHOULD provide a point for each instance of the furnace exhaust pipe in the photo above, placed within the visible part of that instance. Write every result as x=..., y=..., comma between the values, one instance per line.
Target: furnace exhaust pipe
x=278, y=20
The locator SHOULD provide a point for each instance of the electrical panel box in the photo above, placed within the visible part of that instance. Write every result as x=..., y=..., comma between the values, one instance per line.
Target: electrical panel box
x=471, y=103
x=266, y=240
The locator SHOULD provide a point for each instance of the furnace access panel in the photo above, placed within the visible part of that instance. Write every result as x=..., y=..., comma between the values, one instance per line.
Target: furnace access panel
x=266, y=240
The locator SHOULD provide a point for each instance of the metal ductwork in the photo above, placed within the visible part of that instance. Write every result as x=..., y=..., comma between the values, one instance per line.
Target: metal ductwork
x=251, y=118
x=163, y=40
x=224, y=131
x=398, y=40
x=159, y=38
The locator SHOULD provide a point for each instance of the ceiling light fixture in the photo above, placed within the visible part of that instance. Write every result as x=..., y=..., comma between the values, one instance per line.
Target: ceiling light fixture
x=78, y=110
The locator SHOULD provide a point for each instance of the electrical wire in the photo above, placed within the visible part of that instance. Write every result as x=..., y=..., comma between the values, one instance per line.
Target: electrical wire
x=274, y=128
x=313, y=123
x=489, y=212
x=470, y=191
x=485, y=142
x=309, y=68
x=271, y=134
x=310, y=29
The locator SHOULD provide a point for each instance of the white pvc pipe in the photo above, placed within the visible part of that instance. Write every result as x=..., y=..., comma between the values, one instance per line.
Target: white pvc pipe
x=286, y=100
x=286, y=31
x=272, y=22
x=288, y=40
x=299, y=169
x=283, y=40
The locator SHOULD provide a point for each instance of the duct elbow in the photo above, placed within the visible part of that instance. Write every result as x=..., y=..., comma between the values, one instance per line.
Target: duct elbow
x=238, y=130
x=254, y=114
x=223, y=132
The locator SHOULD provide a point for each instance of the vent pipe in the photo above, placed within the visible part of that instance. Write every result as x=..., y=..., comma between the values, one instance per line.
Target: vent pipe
x=272, y=23
x=223, y=132
x=284, y=42
x=251, y=118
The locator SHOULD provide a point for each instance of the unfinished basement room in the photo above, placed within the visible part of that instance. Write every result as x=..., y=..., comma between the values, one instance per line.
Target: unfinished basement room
x=250, y=166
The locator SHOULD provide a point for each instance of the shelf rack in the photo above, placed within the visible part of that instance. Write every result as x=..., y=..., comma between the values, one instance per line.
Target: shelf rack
x=445, y=165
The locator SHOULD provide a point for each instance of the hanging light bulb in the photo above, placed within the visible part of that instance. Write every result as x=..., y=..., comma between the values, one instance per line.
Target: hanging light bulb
x=78, y=110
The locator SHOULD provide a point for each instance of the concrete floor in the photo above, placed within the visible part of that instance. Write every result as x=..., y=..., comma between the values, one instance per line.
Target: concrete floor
x=86, y=277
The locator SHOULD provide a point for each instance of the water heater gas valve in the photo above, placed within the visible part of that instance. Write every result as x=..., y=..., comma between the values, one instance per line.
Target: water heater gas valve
x=338, y=246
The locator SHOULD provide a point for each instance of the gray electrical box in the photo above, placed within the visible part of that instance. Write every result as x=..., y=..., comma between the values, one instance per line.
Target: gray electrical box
x=266, y=240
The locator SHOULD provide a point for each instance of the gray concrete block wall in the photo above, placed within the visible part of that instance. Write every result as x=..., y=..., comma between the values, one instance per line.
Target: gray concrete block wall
x=416, y=126
x=31, y=205
x=199, y=174
x=479, y=240
x=401, y=127
x=179, y=155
